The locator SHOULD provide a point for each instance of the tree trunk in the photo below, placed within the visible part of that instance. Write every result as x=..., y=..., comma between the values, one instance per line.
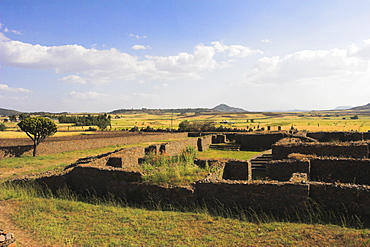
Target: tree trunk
x=34, y=149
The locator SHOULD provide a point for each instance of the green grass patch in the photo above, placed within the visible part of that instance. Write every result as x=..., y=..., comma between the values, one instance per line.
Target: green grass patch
x=64, y=221
x=173, y=170
x=239, y=155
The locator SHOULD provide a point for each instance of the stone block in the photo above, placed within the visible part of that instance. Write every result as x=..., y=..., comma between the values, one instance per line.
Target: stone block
x=237, y=170
x=115, y=162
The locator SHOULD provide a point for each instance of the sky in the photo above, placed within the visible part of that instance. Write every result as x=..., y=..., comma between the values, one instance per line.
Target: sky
x=99, y=56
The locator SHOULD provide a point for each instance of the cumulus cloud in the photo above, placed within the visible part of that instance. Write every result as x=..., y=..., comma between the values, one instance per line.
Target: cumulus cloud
x=308, y=66
x=74, y=79
x=186, y=64
x=140, y=47
x=234, y=50
x=137, y=36
x=266, y=41
x=3, y=37
x=86, y=95
x=94, y=66
x=6, y=88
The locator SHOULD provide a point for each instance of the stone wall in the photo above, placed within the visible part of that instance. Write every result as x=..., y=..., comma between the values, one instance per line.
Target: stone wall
x=218, y=139
x=345, y=149
x=343, y=170
x=237, y=170
x=278, y=198
x=282, y=170
x=338, y=136
x=347, y=199
x=129, y=157
x=102, y=182
x=257, y=142
x=175, y=147
x=340, y=170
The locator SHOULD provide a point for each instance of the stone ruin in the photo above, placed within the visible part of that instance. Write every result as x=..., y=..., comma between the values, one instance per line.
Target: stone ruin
x=298, y=173
x=7, y=239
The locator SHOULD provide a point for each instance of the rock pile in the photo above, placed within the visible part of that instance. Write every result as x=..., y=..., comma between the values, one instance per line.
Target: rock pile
x=7, y=239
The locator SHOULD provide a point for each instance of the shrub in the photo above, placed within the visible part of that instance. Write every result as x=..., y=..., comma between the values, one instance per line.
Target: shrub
x=2, y=127
x=173, y=170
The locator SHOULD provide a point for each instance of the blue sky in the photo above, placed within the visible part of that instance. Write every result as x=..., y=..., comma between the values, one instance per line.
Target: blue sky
x=98, y=56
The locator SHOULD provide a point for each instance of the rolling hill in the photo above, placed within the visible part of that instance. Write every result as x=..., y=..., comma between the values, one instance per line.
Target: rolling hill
x=362, y=108
x=226, y=108
x=7, y=112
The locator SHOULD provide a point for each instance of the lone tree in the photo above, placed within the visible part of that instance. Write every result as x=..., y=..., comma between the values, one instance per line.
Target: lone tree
x=38, y=128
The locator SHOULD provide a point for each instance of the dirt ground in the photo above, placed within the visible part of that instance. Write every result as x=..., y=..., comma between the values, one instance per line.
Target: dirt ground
x=23, y=238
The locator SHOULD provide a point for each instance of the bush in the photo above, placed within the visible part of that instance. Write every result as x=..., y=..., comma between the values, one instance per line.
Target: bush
x=173, y=170
x=2, y=127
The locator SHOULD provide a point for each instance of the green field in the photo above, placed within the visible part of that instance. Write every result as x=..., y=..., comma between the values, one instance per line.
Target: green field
x=309, y=121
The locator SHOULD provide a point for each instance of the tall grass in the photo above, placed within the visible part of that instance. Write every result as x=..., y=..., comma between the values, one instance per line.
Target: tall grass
x=63, y=219
x=173, y=170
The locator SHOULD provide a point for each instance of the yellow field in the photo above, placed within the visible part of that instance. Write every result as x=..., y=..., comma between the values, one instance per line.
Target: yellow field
x=316, y=121
x=309, y=121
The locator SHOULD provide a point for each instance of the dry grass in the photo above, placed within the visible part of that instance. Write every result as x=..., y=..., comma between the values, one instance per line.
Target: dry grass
x=65, y=221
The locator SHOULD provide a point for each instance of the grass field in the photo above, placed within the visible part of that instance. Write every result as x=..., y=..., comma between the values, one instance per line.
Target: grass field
x=66, y=221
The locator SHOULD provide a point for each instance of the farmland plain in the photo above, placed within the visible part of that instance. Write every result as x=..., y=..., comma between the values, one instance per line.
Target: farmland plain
x=302, y=121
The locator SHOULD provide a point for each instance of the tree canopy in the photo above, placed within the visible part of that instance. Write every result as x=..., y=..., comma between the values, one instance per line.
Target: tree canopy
x=38, y=128
x=197, y=126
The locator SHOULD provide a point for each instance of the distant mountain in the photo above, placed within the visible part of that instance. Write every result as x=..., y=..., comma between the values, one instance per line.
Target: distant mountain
x=226, y=108
x=342, y=108
x=6, y=112
x=364, y=107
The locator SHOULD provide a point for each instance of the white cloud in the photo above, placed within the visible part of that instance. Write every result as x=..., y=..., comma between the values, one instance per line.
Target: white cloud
x=74, y=79
x=234, y=50
x=103, y=66
x=11, y=31
x=163, y=85
x=6, y=88
x=86, y=95
x=140, y=47
x=313, y=66
x=137, y=36
x=185, y=64
x=3, y=37
x=266, y=41
x=144, y=95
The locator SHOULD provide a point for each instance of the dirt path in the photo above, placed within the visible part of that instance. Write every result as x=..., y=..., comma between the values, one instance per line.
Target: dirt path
x=23, y=238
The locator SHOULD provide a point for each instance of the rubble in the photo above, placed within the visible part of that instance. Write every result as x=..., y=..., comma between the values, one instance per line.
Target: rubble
x=7, y=239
